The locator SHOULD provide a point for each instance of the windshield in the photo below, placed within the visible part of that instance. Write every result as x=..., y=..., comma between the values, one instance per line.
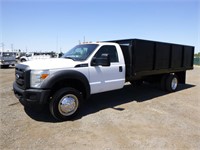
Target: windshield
x=7, y=54
x=80, y=52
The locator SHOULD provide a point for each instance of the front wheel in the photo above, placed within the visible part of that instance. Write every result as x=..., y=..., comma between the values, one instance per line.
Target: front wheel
x=65, y=103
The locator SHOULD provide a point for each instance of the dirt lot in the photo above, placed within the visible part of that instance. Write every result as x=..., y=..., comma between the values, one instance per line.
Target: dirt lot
x=131, y=118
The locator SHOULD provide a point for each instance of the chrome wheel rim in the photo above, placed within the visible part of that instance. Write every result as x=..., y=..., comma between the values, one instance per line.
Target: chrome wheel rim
x=174, y=83
x=68, y=104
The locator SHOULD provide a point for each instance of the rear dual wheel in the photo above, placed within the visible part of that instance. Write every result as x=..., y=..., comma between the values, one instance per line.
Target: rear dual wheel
x=169, y=83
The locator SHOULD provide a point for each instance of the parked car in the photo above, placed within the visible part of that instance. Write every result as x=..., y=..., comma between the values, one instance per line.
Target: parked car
x=7, y=59
x=36, y=56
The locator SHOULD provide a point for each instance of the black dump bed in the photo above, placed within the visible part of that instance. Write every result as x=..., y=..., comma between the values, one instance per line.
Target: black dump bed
x=145, y=58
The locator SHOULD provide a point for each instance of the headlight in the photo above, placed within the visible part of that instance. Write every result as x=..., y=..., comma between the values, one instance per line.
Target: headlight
x=37, y=77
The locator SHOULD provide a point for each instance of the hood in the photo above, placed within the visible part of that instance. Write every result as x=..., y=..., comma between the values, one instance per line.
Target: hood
x=52, y=63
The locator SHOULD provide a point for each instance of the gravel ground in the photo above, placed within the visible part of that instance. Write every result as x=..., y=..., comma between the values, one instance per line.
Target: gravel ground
x=131, y=118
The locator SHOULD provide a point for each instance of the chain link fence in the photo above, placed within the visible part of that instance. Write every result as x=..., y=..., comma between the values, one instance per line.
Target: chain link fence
x=197, y=61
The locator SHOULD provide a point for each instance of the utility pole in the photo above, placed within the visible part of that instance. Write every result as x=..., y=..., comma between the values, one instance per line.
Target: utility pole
x=12, y=47
x=2, y=45
x=57, y=43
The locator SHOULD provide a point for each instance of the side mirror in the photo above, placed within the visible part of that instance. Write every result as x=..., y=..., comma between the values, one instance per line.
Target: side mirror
x=104, y=60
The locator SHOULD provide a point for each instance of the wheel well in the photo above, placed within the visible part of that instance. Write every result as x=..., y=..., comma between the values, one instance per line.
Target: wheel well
x=181, y=76
x=23, y=59
x=73, y=83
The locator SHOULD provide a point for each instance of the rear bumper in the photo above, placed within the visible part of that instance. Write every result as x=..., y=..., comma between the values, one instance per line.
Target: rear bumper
x=30, y=97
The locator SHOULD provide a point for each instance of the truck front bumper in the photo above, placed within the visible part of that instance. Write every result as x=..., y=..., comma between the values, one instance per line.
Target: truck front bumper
x=31, y=97
x=7, y=62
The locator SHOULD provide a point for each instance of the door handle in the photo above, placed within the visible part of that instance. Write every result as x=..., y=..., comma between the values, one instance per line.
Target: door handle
x=120, y=69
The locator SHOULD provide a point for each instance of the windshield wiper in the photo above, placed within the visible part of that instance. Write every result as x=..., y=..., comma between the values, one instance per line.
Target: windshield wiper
x=69, y=57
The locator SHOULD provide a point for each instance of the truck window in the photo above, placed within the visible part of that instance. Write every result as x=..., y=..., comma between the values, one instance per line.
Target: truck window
x=7, y=54
x=80, y=52
x=108, y=49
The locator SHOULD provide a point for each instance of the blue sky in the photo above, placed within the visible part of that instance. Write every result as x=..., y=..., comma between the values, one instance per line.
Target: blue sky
x=50, y=25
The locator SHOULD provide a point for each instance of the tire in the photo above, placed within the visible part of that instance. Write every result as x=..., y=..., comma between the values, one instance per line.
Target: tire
x=70, y=99
x=4, y=66
x=163, y=82
x=171, y=83
x=23, y=60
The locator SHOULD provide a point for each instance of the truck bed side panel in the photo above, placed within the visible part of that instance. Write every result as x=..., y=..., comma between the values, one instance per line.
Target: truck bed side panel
x=144, y=55
x=162, y=57
x=188, y=56
x=176, y=56
x=151, y=57
x=145, y=58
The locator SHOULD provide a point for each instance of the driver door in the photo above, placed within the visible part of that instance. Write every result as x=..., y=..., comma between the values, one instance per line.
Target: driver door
x=106, y=78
